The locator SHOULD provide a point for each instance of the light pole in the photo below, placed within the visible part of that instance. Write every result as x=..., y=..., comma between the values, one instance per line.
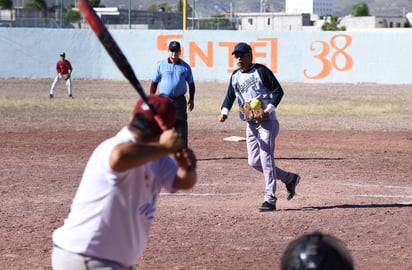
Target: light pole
x=130, y=7
x=184, y=14
x=61, y=13
x=193, y=14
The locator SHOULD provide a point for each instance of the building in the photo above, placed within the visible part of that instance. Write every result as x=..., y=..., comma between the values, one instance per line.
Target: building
x=316, y=8
x=273, y=21
x=374, y=22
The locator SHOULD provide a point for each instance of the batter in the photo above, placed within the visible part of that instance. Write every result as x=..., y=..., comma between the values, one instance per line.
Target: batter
x=114, y=206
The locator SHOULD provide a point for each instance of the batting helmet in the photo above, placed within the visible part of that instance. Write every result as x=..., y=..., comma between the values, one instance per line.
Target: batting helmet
x=144, y=120
x=316, y=251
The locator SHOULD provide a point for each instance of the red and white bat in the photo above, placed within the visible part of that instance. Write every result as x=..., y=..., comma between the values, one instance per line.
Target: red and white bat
x=115, y=53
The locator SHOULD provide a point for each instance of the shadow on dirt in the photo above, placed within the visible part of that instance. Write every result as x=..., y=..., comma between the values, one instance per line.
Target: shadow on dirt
x=351, y=206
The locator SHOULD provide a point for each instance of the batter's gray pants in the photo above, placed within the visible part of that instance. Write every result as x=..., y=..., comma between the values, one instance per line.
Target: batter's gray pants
x=260, y=141
x=64, y=260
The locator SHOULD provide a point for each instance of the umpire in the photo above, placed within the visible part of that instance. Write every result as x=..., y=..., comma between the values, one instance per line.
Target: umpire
x=173, y=73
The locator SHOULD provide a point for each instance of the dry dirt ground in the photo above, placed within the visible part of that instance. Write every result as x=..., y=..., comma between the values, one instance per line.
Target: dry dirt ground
x=352, y=145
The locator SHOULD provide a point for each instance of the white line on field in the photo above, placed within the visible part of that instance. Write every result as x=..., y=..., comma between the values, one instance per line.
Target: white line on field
x=370, y=186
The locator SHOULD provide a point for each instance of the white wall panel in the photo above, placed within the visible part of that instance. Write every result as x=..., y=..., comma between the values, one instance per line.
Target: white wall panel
x=315, y=57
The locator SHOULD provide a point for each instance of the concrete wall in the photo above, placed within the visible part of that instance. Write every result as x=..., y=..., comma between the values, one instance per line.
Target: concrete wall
x=312, y=57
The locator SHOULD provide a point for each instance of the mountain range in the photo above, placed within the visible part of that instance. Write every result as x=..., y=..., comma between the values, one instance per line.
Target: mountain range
x=207, y=8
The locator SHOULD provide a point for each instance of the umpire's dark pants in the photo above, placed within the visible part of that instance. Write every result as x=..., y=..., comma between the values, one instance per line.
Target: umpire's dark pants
x=181, y=117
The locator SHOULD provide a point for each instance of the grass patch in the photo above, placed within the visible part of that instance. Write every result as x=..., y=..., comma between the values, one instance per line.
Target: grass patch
x=343, y=108
x=88, y=104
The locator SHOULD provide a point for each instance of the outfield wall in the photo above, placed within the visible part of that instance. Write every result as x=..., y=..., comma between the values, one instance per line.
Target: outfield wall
x=310, y=57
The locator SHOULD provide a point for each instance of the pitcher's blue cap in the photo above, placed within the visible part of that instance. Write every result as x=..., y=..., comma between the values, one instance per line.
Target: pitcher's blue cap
x=242, y=48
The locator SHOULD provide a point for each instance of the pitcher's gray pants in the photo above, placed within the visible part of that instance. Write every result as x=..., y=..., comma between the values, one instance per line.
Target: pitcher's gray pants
x=260, y=141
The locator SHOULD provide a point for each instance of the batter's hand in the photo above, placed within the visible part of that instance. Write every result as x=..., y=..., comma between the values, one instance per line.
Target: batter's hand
x=222, y=118
x=186, y=159
x=171, y=140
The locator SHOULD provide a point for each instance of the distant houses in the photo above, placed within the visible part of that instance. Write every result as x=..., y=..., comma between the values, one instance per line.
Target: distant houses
x=299, y=15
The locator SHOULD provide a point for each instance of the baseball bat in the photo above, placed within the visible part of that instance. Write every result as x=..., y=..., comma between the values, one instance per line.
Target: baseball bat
x=116, y=54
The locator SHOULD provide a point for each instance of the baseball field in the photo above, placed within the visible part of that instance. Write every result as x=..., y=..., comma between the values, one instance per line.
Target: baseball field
x=351, y=144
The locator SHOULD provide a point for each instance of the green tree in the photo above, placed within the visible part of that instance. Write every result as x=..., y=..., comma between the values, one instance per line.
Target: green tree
x=162, y=6
x=72, y=16
x=166, y=8
x=7, y=4
x=332, y=24
x=216, y=22
x=95, y=3
x=41, y=6
x=360, y=9
x=179, y=7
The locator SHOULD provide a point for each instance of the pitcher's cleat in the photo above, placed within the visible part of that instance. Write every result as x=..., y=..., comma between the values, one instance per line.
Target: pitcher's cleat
x=266, y=207
x=291, y=187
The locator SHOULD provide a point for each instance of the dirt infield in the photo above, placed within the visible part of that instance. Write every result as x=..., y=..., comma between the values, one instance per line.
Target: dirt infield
x=352, y=145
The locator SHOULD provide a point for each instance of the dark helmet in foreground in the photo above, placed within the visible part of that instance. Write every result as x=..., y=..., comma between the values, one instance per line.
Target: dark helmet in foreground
x=316, y=251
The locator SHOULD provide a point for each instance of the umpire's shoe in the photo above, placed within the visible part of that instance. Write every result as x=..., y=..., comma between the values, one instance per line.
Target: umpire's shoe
x=291, y=187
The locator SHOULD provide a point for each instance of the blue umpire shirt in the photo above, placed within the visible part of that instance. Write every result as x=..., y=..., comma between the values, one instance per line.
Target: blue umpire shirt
x=173, y=77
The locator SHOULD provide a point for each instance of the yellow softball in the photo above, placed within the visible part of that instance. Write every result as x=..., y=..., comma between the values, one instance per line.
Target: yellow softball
x=255, y=104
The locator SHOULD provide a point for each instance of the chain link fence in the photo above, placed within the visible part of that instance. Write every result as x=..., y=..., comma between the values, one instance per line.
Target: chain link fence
x=123, y=19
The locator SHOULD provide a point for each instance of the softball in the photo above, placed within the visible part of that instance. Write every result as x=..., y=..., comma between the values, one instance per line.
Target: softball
x=255, y=104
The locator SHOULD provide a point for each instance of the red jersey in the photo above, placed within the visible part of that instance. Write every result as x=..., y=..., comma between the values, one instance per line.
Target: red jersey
x=63, y=67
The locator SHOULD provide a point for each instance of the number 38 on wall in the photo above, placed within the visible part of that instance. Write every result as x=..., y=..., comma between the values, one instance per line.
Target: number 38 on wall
x=338, y=54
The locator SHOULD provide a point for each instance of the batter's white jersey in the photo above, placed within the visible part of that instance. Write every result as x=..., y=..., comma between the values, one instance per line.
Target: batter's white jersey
x=112, y=212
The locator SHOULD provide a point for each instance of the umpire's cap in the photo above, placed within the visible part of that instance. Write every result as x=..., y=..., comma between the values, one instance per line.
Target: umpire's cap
x=316, y=251
x=143, y=119
x=174, y=46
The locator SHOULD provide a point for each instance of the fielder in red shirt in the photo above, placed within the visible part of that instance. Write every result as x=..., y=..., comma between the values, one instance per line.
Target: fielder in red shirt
x=64, y=70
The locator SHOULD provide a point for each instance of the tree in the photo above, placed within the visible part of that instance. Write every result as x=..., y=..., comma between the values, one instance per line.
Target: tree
x=160, y=7
x=39, y=5
x=360, y=9
x=164, y=7
x=7, y=4
x=179, y=7
x=216, y=22
x=72, y=16
x=95, y=3
x=332, y=24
